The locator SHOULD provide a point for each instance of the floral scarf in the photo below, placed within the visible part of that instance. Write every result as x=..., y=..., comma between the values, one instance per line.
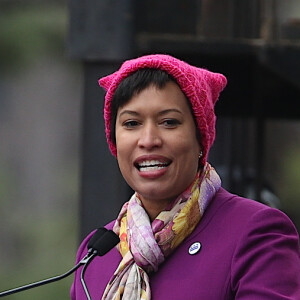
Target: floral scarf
x=145, y=245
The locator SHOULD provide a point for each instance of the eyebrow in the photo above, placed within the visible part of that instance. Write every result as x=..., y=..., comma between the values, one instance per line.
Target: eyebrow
x=161, y=113
x=130, y=112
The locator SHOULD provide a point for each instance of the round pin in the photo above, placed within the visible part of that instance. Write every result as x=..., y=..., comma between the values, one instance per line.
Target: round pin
x=194, y=248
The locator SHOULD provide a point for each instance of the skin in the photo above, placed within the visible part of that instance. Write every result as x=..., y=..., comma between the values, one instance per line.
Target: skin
x=156, y=128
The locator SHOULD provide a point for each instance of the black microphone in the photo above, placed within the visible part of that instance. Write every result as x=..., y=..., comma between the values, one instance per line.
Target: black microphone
x=97, y=235
x=100, y=245
x=104, y=242
x=107, y=238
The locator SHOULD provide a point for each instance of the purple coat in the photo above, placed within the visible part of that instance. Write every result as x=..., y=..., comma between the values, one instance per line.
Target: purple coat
x=248, y=251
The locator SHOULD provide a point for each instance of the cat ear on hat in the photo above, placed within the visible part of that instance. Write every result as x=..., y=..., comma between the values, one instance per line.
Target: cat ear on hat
x=217, y=83
x=106, y=81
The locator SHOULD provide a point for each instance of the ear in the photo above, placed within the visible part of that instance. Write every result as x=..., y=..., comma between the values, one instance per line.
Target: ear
x=106, y=81
x=217, y=83
x=200, y=151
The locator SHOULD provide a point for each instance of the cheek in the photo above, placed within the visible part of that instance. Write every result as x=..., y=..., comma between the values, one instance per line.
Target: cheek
x=188, y=155
x=124, y=153
x=123, y=143
x=123, y=164
x=187, y=147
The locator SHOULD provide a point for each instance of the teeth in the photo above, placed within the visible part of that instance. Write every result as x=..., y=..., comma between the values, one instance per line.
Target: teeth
x=152, y=168
x=151, y=165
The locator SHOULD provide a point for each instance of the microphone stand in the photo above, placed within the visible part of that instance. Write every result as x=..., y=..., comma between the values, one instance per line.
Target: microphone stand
x=88, y=296
x=101, y=242
x=49, y=280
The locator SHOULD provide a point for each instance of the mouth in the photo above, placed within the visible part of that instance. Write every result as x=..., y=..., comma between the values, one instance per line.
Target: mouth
x=151, y=165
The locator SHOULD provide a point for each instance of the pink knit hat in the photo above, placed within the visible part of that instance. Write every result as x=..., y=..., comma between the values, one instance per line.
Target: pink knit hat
x=201, y=87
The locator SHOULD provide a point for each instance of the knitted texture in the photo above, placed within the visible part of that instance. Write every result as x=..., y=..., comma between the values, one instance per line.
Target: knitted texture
x=200, y=86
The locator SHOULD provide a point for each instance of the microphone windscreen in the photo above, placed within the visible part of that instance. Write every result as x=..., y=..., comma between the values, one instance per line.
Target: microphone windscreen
x=97, y=235
x=106, y=242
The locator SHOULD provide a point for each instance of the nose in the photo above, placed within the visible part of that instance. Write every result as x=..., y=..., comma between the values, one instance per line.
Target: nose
x=150, y=137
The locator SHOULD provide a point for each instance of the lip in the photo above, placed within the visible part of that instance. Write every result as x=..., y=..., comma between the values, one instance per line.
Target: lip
x=152, y=173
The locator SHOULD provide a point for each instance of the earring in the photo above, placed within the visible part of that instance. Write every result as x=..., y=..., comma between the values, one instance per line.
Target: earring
x=200, y=154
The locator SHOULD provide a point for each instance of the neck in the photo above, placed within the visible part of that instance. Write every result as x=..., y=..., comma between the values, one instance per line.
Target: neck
x=154, y=207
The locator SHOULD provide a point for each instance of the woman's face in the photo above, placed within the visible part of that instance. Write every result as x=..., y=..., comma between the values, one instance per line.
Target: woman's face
x=157, y=148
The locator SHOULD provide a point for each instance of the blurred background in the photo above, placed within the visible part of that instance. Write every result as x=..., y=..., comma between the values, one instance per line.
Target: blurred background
x=57, y=179
x=40, y=94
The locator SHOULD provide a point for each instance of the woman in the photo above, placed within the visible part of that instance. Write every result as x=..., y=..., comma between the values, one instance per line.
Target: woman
x=182, y=235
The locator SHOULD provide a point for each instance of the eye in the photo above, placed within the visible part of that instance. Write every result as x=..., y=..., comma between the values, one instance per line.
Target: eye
x=130, y=124
x=171, y=123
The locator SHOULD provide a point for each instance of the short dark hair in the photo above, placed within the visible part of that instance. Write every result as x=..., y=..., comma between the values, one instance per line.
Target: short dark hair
x=133, y=85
